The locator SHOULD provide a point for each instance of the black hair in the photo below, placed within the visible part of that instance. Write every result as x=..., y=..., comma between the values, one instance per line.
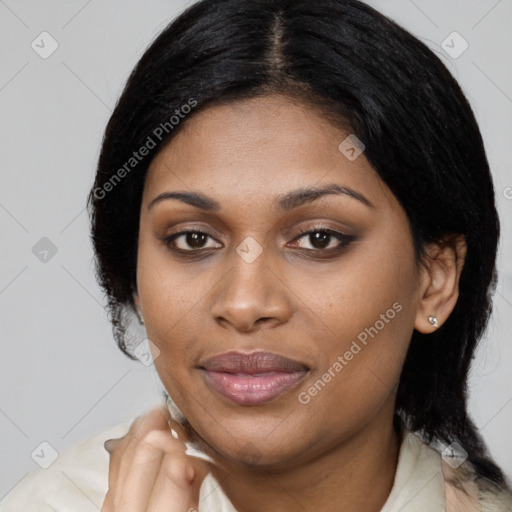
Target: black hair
x=362, y=71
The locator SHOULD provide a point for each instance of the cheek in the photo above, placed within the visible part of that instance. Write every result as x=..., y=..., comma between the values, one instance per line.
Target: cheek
x=369, y=308
x=351, y=295
x=170, y=300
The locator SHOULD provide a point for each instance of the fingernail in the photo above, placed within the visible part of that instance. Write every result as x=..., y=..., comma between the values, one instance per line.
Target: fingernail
x=108, y=445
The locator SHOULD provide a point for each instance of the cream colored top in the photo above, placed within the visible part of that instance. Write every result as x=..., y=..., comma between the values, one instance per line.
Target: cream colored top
x=78, y=481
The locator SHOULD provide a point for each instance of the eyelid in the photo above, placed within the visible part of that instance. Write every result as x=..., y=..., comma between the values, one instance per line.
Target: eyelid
x=167, y=239
x=343, y=238
x=320, y=227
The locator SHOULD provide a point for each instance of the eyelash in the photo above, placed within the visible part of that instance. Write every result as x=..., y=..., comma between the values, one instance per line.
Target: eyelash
x=344, y=239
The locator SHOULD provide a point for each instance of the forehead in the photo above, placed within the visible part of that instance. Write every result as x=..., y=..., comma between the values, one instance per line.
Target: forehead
x=257, y=149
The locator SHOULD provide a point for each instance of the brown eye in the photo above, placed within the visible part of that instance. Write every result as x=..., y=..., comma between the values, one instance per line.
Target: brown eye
x=325, y=239
x=189, y=241
x=320, y=239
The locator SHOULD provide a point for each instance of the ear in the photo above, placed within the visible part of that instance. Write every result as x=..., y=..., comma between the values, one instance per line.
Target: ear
x=439, y=289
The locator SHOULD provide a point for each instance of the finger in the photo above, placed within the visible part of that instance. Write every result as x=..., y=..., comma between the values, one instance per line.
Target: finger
x=111, y=444
x=123, y=449
x=120, y=458
x=156, y=418
x=117, y=448
x=178, y=482
x=136, y=460
x=135, y=480
x=177, y=431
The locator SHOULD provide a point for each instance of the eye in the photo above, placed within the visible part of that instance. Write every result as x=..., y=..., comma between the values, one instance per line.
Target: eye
x=320, y=238
x=324, y=239
x=193, y=238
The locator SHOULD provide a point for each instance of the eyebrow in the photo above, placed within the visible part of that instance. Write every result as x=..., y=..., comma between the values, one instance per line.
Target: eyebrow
x=287, y=202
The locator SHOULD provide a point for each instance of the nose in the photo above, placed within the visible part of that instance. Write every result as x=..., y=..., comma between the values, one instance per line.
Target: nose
x=252, y=294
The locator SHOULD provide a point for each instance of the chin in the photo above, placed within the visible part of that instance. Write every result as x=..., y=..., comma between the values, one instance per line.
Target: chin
x=258, y=451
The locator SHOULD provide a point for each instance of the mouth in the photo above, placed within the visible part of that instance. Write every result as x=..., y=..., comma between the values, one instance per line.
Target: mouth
x=252, y=379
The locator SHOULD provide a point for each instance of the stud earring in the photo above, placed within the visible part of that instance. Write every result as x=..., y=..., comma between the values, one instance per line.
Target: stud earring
x=433, y=321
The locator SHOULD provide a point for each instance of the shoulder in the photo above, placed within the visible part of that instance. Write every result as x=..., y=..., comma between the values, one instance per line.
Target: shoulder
x=465, y=492
x=458, y=485
x=77, y=480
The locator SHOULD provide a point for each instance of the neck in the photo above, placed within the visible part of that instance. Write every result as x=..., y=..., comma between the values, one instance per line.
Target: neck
x=355, y=475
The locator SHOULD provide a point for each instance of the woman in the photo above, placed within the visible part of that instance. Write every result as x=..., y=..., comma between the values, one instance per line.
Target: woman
x=295, y=199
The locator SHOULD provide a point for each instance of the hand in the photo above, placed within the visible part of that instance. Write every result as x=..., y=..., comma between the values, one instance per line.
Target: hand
x=149, y=470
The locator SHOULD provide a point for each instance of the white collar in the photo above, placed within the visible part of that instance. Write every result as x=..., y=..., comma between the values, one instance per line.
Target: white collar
x=78, y=480
x=419, y=481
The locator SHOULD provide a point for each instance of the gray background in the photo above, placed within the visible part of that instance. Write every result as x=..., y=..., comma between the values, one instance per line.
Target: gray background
x=62, y=377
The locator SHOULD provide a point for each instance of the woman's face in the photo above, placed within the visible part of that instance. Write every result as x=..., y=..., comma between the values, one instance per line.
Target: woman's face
x=342, y=309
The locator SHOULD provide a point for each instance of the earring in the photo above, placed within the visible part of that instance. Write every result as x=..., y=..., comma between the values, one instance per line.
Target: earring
x=141, y=320
x=433, y=321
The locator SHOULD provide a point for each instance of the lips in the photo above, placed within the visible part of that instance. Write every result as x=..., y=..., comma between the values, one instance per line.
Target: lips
x=252, y=379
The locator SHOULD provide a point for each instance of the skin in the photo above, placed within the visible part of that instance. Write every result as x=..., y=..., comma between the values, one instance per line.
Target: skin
x=149, y=468
x=339, y=451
